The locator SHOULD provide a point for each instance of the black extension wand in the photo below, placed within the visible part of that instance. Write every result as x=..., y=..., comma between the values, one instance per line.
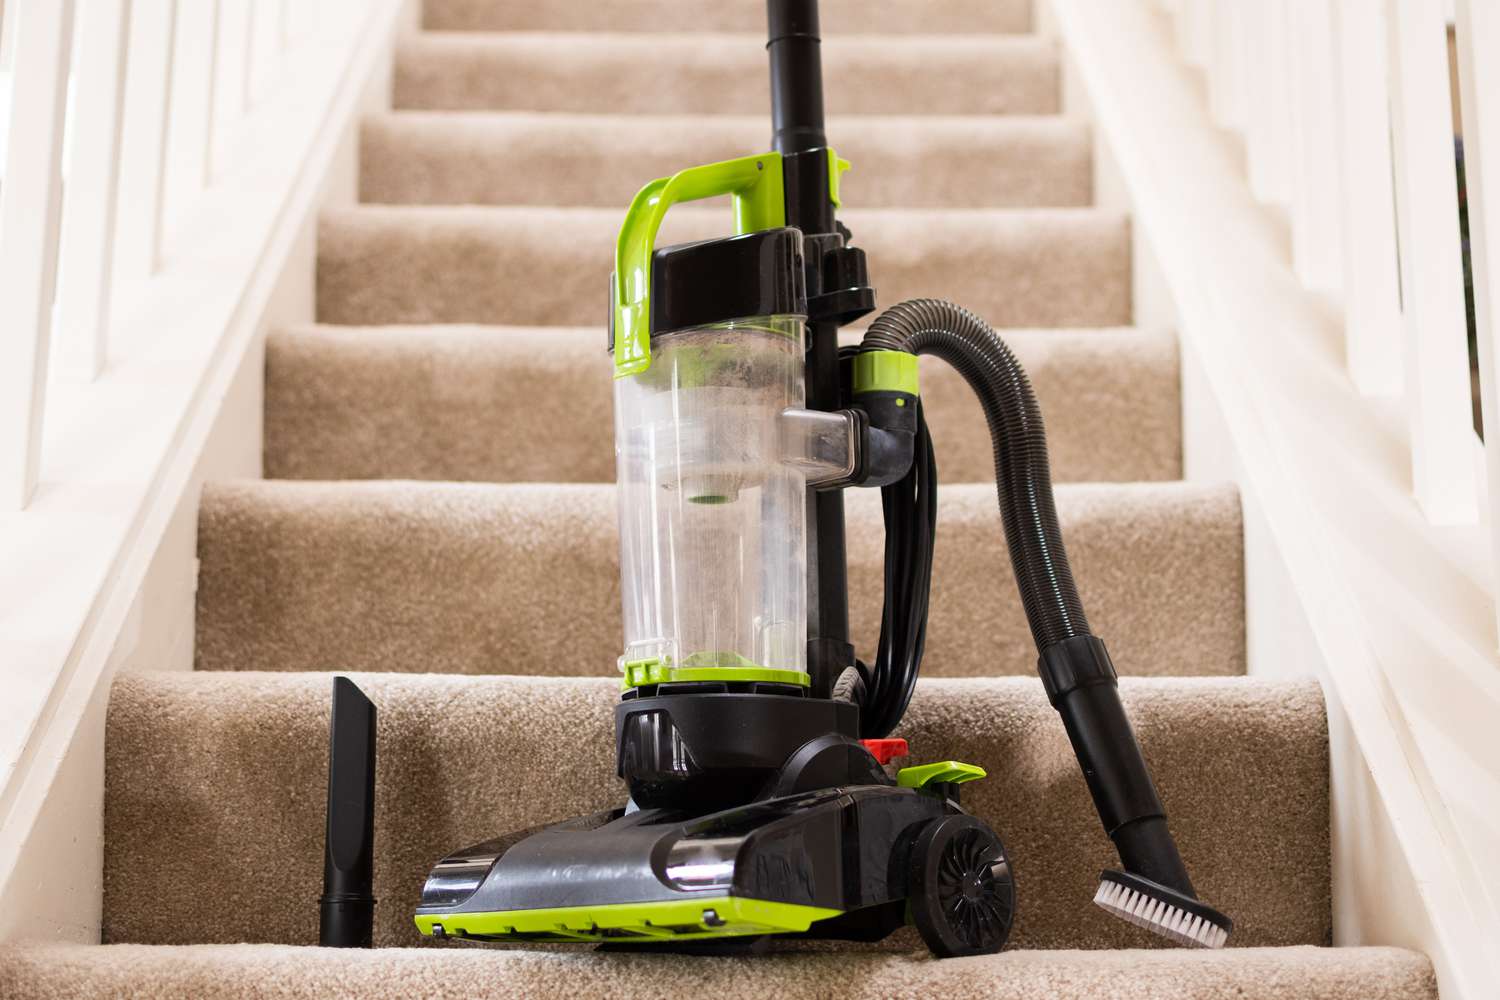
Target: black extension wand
x=347, y=909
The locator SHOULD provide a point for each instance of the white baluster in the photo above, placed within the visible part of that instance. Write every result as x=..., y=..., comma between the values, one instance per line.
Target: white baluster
x=248, y=54
x=143, y=147
x=1315, y=188
x=1477, y=32
x=1433, y=315
x=1197, y=31
x=1372, y=291
x=265, y=49
x=1283, y=101
x=1269, y=132
x=8, y=14
x=88, y=223
x=1227, y=98
x=30, y=213
x=232, y=63
x=190, y=128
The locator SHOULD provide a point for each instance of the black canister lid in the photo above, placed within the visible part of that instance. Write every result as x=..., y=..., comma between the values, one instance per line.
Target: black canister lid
x=714, y=281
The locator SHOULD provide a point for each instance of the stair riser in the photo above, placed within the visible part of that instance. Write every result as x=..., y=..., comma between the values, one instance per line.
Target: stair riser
x=202, y=769
x=463, y=159
x=721, y=74
x=535, y=267
x=497, y=404
x=836, y=17
x=525, y=579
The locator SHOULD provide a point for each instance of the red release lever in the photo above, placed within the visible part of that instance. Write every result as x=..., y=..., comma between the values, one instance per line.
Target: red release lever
x=885, y=751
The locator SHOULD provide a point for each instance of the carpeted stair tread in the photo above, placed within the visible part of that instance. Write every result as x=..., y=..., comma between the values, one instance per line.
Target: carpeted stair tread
x=504, y=158
x=281, y=972
x=836, y=17
x=530, y=404
x=549, y=266
x=202, y=768
x=523, y=578
x=711, y=73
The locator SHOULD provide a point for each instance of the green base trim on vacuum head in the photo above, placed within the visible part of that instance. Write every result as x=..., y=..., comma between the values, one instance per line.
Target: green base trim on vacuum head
x=653, y=671
x=677, y=920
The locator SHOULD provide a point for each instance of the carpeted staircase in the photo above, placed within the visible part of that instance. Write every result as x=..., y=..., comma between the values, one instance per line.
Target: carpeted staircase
x=438, y=518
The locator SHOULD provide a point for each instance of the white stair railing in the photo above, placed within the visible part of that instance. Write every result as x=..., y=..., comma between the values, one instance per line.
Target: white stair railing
x=1347, y=126
x=1350, y=575
x=167, y=161
x=113, y=114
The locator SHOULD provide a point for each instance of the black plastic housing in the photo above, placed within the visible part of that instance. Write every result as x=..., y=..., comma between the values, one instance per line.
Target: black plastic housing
x=840, y=848
x=714, y=750
x=714, y=281
x=888, y=434
x=794, y=47
x=1080, y=682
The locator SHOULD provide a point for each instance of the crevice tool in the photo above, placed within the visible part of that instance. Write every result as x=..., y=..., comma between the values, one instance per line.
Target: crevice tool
x=347, y=915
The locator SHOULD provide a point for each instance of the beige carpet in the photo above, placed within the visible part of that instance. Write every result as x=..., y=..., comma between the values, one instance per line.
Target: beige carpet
x=458, y=367
x=838, y=17
x=529, y=266
x=718, y=74
x=220, y=777
x=400, y=402
x=913, y=161
x=523, y=578
x=272, y=971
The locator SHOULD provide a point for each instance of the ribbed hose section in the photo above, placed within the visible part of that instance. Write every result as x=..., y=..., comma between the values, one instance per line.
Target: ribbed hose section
x=1023, y=480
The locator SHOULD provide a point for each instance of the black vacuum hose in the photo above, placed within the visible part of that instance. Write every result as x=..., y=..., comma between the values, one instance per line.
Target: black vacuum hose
x=1075, y=667
x=1022, y=477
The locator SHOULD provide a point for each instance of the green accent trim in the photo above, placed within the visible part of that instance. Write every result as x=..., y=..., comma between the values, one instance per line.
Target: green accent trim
x=635, y=922
x=885, y=371
x=654, y=671
x=755, y=182
x=836, y=168
x=952, y=771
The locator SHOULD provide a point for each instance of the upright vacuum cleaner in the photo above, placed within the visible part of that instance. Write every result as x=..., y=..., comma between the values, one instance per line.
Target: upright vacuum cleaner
x=752, y=740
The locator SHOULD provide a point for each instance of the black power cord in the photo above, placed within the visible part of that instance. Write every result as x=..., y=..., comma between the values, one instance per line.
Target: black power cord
x=910, y=507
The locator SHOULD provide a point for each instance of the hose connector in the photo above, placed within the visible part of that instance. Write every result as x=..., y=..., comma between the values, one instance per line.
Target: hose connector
x=884, y=389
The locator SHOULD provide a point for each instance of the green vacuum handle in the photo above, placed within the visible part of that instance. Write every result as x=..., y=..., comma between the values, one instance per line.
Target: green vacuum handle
x=754, y=182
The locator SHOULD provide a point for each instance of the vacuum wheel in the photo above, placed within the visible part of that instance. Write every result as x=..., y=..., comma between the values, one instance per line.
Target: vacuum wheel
x=963, y=898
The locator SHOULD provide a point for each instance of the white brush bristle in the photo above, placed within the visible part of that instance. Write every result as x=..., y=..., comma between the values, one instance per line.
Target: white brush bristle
x=1158, y=917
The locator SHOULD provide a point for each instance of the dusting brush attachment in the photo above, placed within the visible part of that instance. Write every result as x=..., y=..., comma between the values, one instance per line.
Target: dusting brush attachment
x=1160, y=910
